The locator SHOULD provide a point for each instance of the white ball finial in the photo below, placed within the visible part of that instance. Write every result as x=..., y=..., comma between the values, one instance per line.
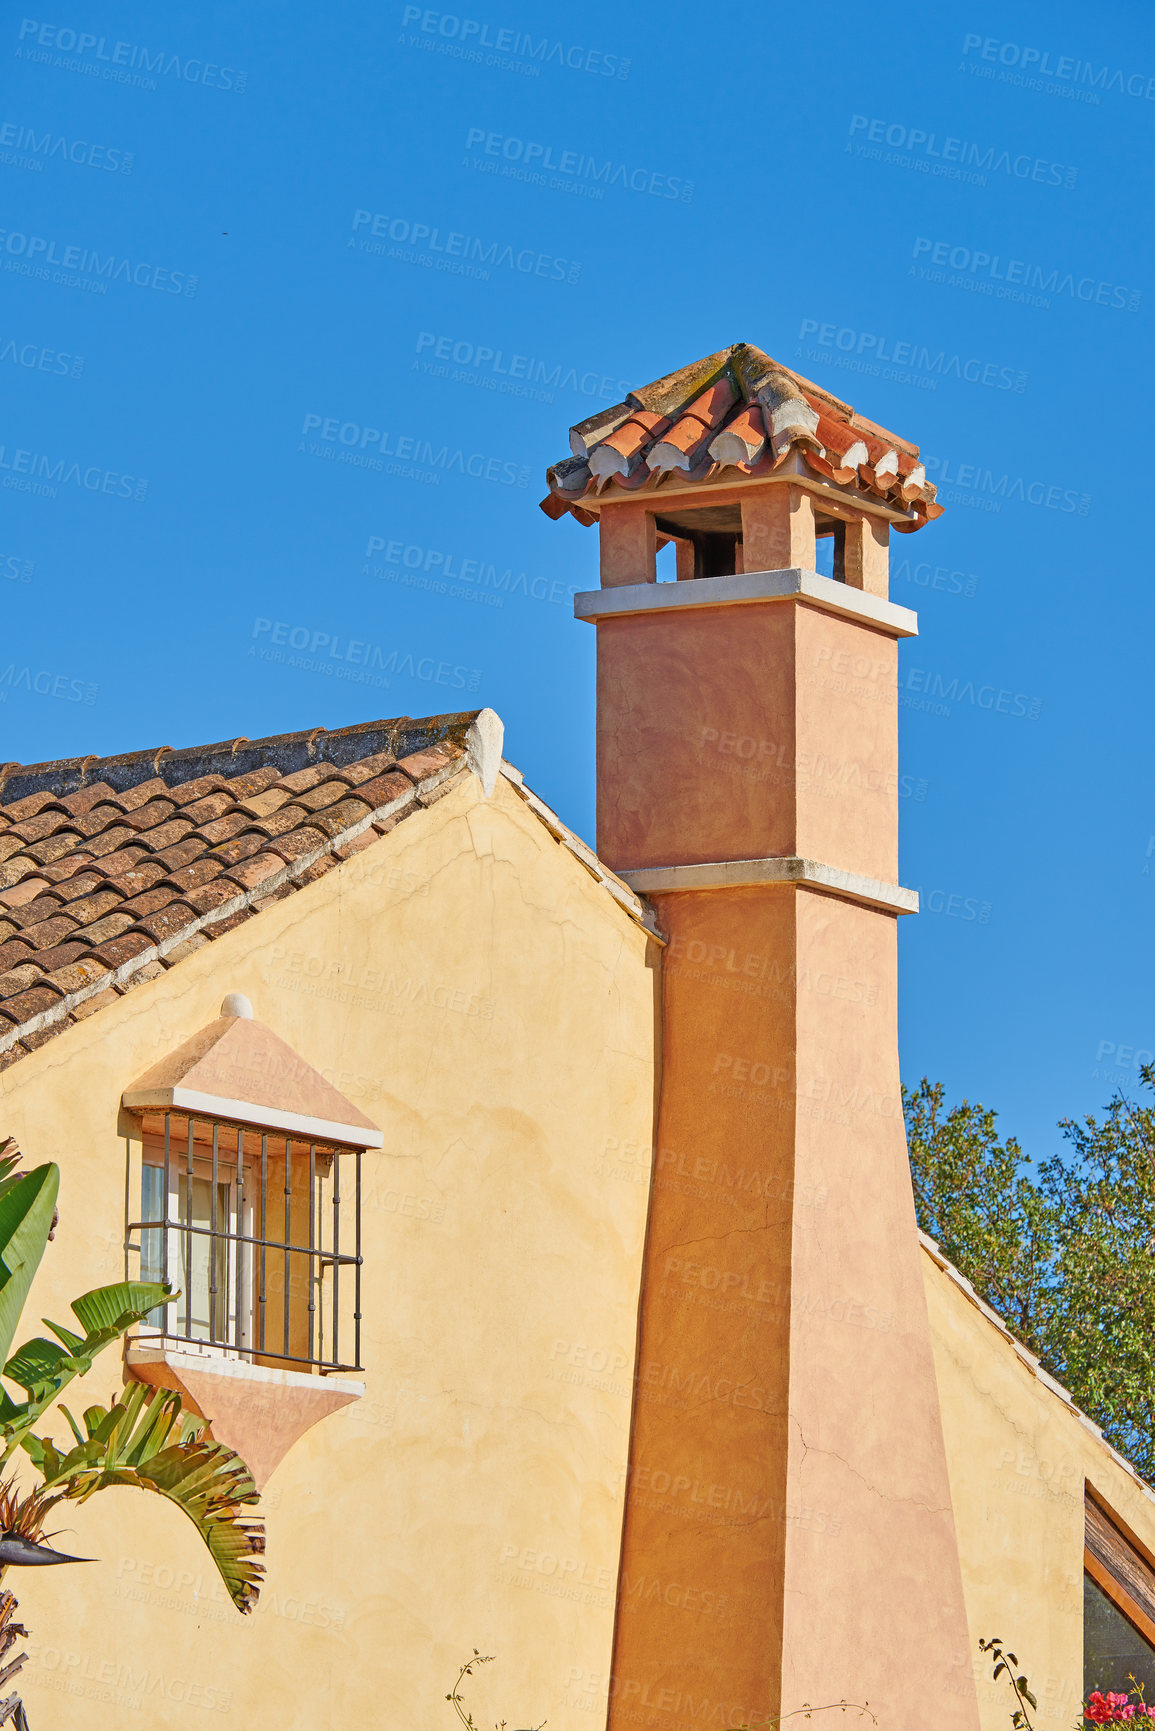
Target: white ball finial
x=236, y=1004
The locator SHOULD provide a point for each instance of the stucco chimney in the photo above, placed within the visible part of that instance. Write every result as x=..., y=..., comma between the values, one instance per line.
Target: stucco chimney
x=788, y=1535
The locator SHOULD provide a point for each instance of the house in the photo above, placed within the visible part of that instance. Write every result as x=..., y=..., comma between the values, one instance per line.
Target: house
x=541, y=1216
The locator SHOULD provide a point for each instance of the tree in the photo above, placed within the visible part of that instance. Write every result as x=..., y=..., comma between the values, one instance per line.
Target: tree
x=1065, y=1256
x=1102, y=1332
x=142, y=1439
x=973, y=1195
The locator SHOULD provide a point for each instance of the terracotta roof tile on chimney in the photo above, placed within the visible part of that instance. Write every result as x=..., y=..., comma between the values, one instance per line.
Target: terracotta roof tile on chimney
x=742, y=440
x=737, y=409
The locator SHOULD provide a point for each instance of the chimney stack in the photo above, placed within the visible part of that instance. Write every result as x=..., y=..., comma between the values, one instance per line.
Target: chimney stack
x=788, y=1534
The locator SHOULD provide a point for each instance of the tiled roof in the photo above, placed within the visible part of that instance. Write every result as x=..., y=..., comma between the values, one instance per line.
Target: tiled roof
x=733, y=414
x=113, y=869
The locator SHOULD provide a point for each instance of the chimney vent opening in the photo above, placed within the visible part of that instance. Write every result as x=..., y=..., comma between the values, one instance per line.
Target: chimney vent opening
x=830, y=548
x=710, y=537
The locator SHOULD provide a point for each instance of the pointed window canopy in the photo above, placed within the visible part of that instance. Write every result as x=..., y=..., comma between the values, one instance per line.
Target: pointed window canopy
x=237, y=1068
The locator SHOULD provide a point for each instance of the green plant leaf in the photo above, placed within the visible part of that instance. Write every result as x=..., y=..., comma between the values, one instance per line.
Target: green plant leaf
x=145, y=1440
x=36, y=1361
x=44, y=1369
x=9, y=1161
x=26, y=1210
x=107, y=1306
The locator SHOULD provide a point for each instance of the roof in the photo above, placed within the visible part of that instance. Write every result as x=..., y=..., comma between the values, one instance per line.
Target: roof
x=113, y=869
x=736, y=413
x=238, y=1068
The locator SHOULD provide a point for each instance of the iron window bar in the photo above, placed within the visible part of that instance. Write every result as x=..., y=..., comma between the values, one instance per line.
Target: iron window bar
x=243, y=1288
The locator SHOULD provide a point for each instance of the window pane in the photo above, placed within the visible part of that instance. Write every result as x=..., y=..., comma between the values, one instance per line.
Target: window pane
x=1113, y=1650
x=152, y=1240
x=204, y=1260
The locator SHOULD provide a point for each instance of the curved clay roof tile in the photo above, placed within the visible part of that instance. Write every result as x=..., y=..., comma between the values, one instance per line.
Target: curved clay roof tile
x=741, y=440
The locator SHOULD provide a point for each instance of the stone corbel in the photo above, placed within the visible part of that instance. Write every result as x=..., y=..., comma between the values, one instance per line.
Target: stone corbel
x=257, y=1411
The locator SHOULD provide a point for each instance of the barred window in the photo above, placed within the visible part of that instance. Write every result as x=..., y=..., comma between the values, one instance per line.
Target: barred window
x=259, y=1232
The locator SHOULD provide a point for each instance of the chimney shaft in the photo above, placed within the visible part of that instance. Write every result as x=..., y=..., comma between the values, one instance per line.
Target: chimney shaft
x=788, y=1535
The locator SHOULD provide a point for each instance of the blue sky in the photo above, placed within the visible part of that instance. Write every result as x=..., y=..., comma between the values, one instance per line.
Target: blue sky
x=338, y=233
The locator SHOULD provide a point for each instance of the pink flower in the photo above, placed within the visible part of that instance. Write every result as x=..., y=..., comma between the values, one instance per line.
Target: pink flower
x=1114, y=1709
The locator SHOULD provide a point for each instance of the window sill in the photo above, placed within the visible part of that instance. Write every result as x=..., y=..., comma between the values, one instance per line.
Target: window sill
x=257, y=1411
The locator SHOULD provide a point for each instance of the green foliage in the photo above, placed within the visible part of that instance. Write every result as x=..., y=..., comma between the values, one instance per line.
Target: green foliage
x=27, y=1207
x=1003, y=1661
x=143, y=1439
x=44, y=1368
x=146, y=1441
x=973, y=1196
x=1102, y=1335
x=1065, y=1257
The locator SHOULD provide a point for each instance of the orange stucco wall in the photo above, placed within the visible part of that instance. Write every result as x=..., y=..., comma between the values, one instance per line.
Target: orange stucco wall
x=787, y=1456
x=675, y=692
x=744, y=732
x=708, y=1463
x=874, y=1589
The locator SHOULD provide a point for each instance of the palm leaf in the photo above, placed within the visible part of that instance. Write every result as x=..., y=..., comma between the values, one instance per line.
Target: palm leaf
x=146, y=1441
x=26, y=1210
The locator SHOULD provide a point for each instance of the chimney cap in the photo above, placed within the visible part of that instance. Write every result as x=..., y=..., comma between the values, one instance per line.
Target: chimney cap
x=735, y=414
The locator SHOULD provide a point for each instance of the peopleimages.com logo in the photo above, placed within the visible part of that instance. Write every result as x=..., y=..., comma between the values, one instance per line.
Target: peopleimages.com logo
x=33, y=254
x=959, y=156
x=535, y=156
x=123, y=58
x=460, y=254
x=473, y=34
x=51, y=146
x=39, y=359
x=1066, y=67
x=975, y=484
x=33, y=472
x=505, y=370
x=360, y=445
x=921, y=357
x=1018, y=278
x=323, y=649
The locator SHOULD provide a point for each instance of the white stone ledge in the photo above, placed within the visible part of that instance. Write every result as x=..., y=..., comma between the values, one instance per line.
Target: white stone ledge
x=145, y=1349
x=194, y=1100
x=748, y=586
x=808, y=873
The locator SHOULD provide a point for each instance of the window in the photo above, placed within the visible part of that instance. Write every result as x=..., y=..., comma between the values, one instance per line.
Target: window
x=260, y=1234
x=1118, y=1609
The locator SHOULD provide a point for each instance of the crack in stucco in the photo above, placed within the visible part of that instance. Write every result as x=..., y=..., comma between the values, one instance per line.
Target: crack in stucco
x=884, y=1496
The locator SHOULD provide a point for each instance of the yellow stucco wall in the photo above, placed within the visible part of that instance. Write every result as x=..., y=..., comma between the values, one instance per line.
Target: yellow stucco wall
x=1019, y=1459
x=470, y=986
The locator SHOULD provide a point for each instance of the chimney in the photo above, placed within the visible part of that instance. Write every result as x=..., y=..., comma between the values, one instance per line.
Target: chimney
x=788, y=1533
